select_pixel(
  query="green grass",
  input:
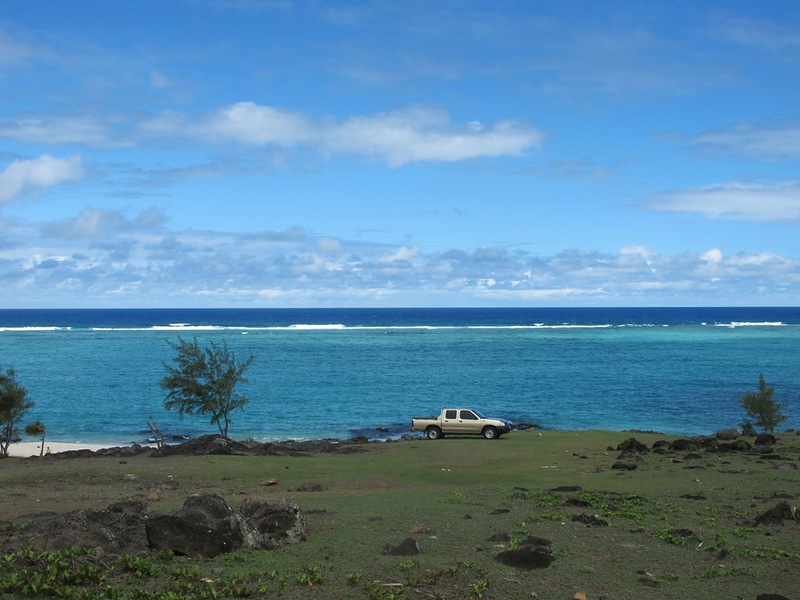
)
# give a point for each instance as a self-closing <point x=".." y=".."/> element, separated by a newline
<point x="451" y="495"/>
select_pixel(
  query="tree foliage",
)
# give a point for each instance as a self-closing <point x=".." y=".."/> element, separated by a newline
<point x="14" y="404"/>
<point x="37" y="429"/>
<point x="203" y="381"/>
<point x="762" y="408"/>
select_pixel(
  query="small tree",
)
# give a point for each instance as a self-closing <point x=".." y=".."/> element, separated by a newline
<point x="36" y="429"/>
<point x="155" y="431"/>
<point x="762" y="408"/>
<point x="13" y="406"/>
<point x="203" y="381"/>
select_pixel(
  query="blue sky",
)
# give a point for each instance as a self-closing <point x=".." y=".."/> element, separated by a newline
<point x="417" y="153"/>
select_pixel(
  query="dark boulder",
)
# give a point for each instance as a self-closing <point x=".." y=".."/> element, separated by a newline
<point x="408" y="547"/>
<point x="737" y="446"/>
<point x="590" y="520"/>
<point x="187" y="538"/>
<point x="527" y="557"/>
<point x="765" y="439"/>
<point x="206" y="526"/>
<point x="567" y="488"/>
<point x="623" y="466"/>
<point x="280" y="520"/>
<point x="632" y="445"/>
<point x="777" y="514"/>
<point x="728" y="434"/>
<point x="683" y="445"/>
<point x="203" y="445"/>
<point x="118" y="529"/>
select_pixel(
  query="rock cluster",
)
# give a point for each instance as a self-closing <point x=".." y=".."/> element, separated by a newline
<point x="203" y="528"/>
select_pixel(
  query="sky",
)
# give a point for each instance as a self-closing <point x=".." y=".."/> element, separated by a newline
<point x="310" y="153"/>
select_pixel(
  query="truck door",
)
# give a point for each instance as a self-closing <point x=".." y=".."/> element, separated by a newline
<point x="450" y="421"/>
<point x="468" y="422"/>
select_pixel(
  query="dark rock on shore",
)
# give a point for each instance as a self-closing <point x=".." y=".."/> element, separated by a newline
<point x="205" y="444"/>
<point x="765" y="439"/>
<point x="632" y="445"/>
<point x="728" y="434"/>
<point x="118" y="451"/>
<point x="737" y="446"/>
<point x="309" y="447"/>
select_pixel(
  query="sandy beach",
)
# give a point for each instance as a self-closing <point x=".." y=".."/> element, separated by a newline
<point x="26" y="449"/>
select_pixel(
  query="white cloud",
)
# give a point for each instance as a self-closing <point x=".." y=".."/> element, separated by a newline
<point x="713" y="256"/>
<point x="773" y="140"/>
<point x="13" y="51"/>
<point x="422" y="134"/>
<point x="104" y="257"/>
<point x="57" y="130"/>
<point x="45" y="171"/>
<point x="249" y="123"/>
<point x="736" y="201"/>
<point x="416" y="134"/>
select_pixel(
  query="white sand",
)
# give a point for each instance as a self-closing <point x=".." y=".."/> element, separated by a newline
<point x="25" y="449"/>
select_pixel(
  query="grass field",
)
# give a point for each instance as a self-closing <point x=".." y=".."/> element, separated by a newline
<point x="678" y="526"/>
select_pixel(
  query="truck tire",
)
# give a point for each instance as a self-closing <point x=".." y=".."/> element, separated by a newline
<point x="433" y="432"/>
<point x="490" y="433"/>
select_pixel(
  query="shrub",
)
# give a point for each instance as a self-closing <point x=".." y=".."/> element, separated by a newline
<point x="762" y="408"/>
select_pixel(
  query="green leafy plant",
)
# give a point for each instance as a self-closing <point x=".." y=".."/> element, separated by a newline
<point x="310" y="576"/>
<point x="479" y="588"/>
<point x="762" y="408"/>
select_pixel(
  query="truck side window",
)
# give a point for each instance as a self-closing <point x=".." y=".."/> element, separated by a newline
<point x="449" y="414"/>
<point x="466" y="414"/>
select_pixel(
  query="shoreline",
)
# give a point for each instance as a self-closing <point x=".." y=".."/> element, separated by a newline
<point x="28" y="449"/>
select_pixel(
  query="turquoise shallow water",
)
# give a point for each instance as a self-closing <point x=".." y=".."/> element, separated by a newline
<point x="94" y="375"/>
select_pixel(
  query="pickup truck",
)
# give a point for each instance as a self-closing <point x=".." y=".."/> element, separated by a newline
<point x="460" y="421"/>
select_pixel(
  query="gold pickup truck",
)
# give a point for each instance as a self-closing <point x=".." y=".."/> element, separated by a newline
<point x="460" y="421"/>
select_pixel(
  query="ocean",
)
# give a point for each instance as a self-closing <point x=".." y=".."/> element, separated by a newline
<point x="335" y="373"/>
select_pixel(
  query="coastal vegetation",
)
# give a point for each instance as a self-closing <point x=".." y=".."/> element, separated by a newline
<point x="14" y="405"/>
<point x="653" y="517"/>
<point x="37" y="429"/>
<point x="762" y="408"/>
<point x="203" y="381"/>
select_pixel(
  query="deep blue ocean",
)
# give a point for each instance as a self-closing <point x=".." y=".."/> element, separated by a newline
<point x="335" y="373"/>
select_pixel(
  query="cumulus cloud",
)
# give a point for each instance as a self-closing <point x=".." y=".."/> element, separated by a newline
<point x="736" y="201"/>
<point x="104" y="257"/>
<point x="45" y="171"/>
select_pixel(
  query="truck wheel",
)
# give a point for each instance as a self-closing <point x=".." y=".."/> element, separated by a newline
<point x="433" y="433"/>
<point x="490" y="433"/>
